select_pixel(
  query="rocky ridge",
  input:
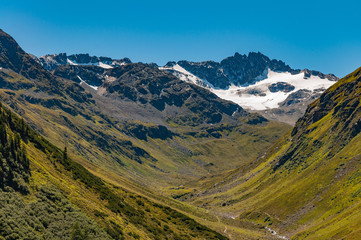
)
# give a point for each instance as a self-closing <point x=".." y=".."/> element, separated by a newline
<point x="241" y="69"/>
<point x="253" y="81"/>
<point x="256" y="83"/>
<point x="53" y="61"/>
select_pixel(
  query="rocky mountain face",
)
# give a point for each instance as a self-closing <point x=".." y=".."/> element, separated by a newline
<point x="237" y="70"/>
<point x="167" y="93"/>
<point x="131" y="81"/>
<point x="308" y="185"/>
<point x="257" y="83"/>
<point x="14" y="58"/>
<point x="241" y="70"/>
<point x="91" y="75"/>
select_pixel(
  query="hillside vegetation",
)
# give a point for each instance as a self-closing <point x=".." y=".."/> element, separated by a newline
<point x="44" y="194"/>
<point x="307" y="186"/>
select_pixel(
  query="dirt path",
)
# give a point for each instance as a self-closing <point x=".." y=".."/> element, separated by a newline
<point x="225" y="231"/>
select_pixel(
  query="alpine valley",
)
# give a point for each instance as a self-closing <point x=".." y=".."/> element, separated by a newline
<point x="101" y="148"/>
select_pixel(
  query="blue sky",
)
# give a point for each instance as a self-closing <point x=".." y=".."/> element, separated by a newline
<point x="320" y="35"/>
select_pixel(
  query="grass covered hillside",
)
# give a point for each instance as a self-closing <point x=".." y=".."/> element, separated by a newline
<point x="308" y="185"/>
<point x="46" y="195"/>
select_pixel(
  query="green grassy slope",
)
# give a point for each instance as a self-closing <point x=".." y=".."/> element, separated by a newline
<point x="44" y="194"/>
<point x="308" y="185"/>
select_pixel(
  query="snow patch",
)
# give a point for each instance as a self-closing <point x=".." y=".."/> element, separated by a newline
<point x="71" y="62"/>
<point x="186" y="76"/>
<point x="99" y="64"/>
<point x="267" y="100"/>
<point x="83" y="82"/>
<point x="103" y="65"/>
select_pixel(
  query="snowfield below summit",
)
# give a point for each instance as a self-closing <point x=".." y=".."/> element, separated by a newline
<point x="82" y="82"/>
<point x="186" y="76"/>
<point x="99" y="64"/>
<point x="258" y="96"/>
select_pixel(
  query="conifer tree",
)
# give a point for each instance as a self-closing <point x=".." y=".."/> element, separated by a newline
<point x="65" y="154"/>
<point x="76" y="233"/>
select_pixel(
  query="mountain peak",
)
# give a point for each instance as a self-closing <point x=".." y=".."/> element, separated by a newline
<point x="256" y="82"/>
<point x="259" y="54"/>
<point x="11" y="54"/>
<point x="13" y="57"/>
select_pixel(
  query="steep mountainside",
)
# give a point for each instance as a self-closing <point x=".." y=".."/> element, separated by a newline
<point x="174" y="99"/>
<point x="46" y="195"/>
<point x="308" y="185"/>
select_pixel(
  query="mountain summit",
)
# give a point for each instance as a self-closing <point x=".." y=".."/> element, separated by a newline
<point x="241" y="70"/>
<point x="257" y="83"/>
<point x="14" y="58"/>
